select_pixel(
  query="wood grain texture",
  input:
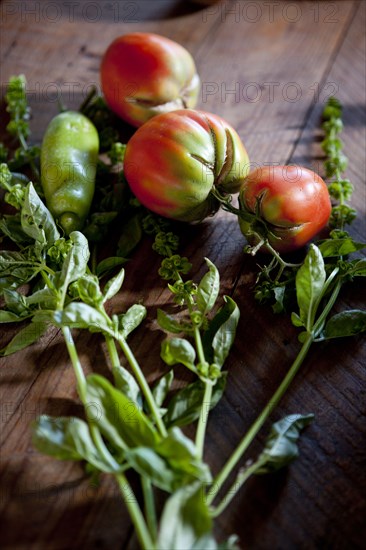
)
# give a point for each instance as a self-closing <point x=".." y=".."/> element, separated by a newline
<point x="268" y="69"/>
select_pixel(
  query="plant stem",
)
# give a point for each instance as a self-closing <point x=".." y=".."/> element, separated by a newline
<point x="81" y="386"/>
<point x="203" y="419"/>
<point x="258" y="423"/>
<point x="143" y="385"/>
<point x="134" y="510"/>
<point x="236" y="486"/>
<point x="112" y="350"/>
<point x="281" y="390"/>
<point x="150" y="512"/>
<point x="79" y="373"/>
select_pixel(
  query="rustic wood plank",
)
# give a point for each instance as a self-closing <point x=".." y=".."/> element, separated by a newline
<point x="50" y="501"/>
<point x="293" y="509"/>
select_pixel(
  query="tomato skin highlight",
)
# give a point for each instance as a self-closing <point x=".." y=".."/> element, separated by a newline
<point x="293" y="201"/>
<point x="174" y="160"/>
<point x="145" y="74"/>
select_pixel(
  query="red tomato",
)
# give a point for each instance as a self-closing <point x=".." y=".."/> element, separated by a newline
<point x="144" y="74"/>
<point x="174" y="160"/>
<point x="293" y="202"/>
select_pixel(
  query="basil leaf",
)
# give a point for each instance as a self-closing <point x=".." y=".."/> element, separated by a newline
<point x="181" y="453"/>
<point x="281" y="445"/>
<point x="357" y="268"/>
<point x="17" y="266"/>
<point x="15" y="301"/>
<point x="148" y="463"/>
<point x="36" y="220"/>
<point x="114" y="285"/>
<point x="346" y="323"/>
<point x="168" y="322"/>
<point x="9" y="317"/>
<point x="109" y="264"/>
<point x="25" y="337"/>
<point x="131" y="235"/>
<point x="185" y="405"/>
<point x="10" y="226"/>
<point x="339" y="247"/>
<point x="67" y="438"/>
<point x="296" y="321"/>
<point x="126" y="383"/>
<point x="208" y="289"/>
<point x="185" y="519"/>
<point x="76" y="261"/>
<point x="88" y="289"/>
<point x="310" y="280"/>
<point x="127" y="322"/>
<point x="162" y="387"/>
<point x="178" y="350"/>
<point x="220" y="335"/>
<point x="79" y="315"/>
<point x="44" y="297"/>
<point x="117" y="417"/>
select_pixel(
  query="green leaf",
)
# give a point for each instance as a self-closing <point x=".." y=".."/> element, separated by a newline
<point x="10" y="225"/>
<point x="346" y="323"/>
<point x="181" y="453"/>
<point x="220" y="335"/>
<point x="310" y="280"/>
<point x="185" y="406"/>
<point x="67" y="438"/>
<point x="76" y="261"/>
<point x="25" y="337"/>
<point x="44" y="298"/>
<point x="9" y="317"/>
<point x="118" y="418"/>
<point x="296" y="321"/>
<point x="114" y="285"/>
<point x="357" y="268"/>
<point x="79" y="315"/>
<point x="109" y="264"/>
<point x="281" y="445"/>
<point x="339" y="247"/>
<point x="88" y="290"/>
<point x="129" y="321"/>
<point x="148" y="463"/>
<point x="131" y="235"/>
<point x="37" y="221"/>
<point x="168" y="322"/>
<point x="279" y="293"/>
<point x="126" y="383"/>
<point x="16" y="266"/>
<point x="185" y="519"/>
<point x="208" y="289"/>
<point x="178" y="350"/>
<point x="15" y="301"/>
<point x="162" y="387"/>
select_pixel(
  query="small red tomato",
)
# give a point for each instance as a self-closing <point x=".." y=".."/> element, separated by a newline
<point x="173" y="162"/>
<point x="292" y="201"/>
<point x="145" y="74"/>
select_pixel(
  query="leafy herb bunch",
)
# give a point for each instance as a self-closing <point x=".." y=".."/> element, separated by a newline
<point x="50" y="281"/>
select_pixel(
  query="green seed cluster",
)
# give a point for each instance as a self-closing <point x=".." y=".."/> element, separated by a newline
<point x="335" y="164"/>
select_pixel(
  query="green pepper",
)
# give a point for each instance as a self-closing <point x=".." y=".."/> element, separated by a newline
<point x="69" y="157"/>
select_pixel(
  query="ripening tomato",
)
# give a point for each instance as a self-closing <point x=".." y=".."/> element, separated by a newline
<point x="293" y="202"/>
<point x="174" y="160"/>
<point x="145" y="74"/>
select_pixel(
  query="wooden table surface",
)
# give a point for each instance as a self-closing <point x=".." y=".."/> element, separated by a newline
<point x="268" y="68"/>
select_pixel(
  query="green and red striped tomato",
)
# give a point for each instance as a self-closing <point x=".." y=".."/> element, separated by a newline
<point x="173" y="162"/>
<point x="292" y="201"/>
<point x="145" y="74"/>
